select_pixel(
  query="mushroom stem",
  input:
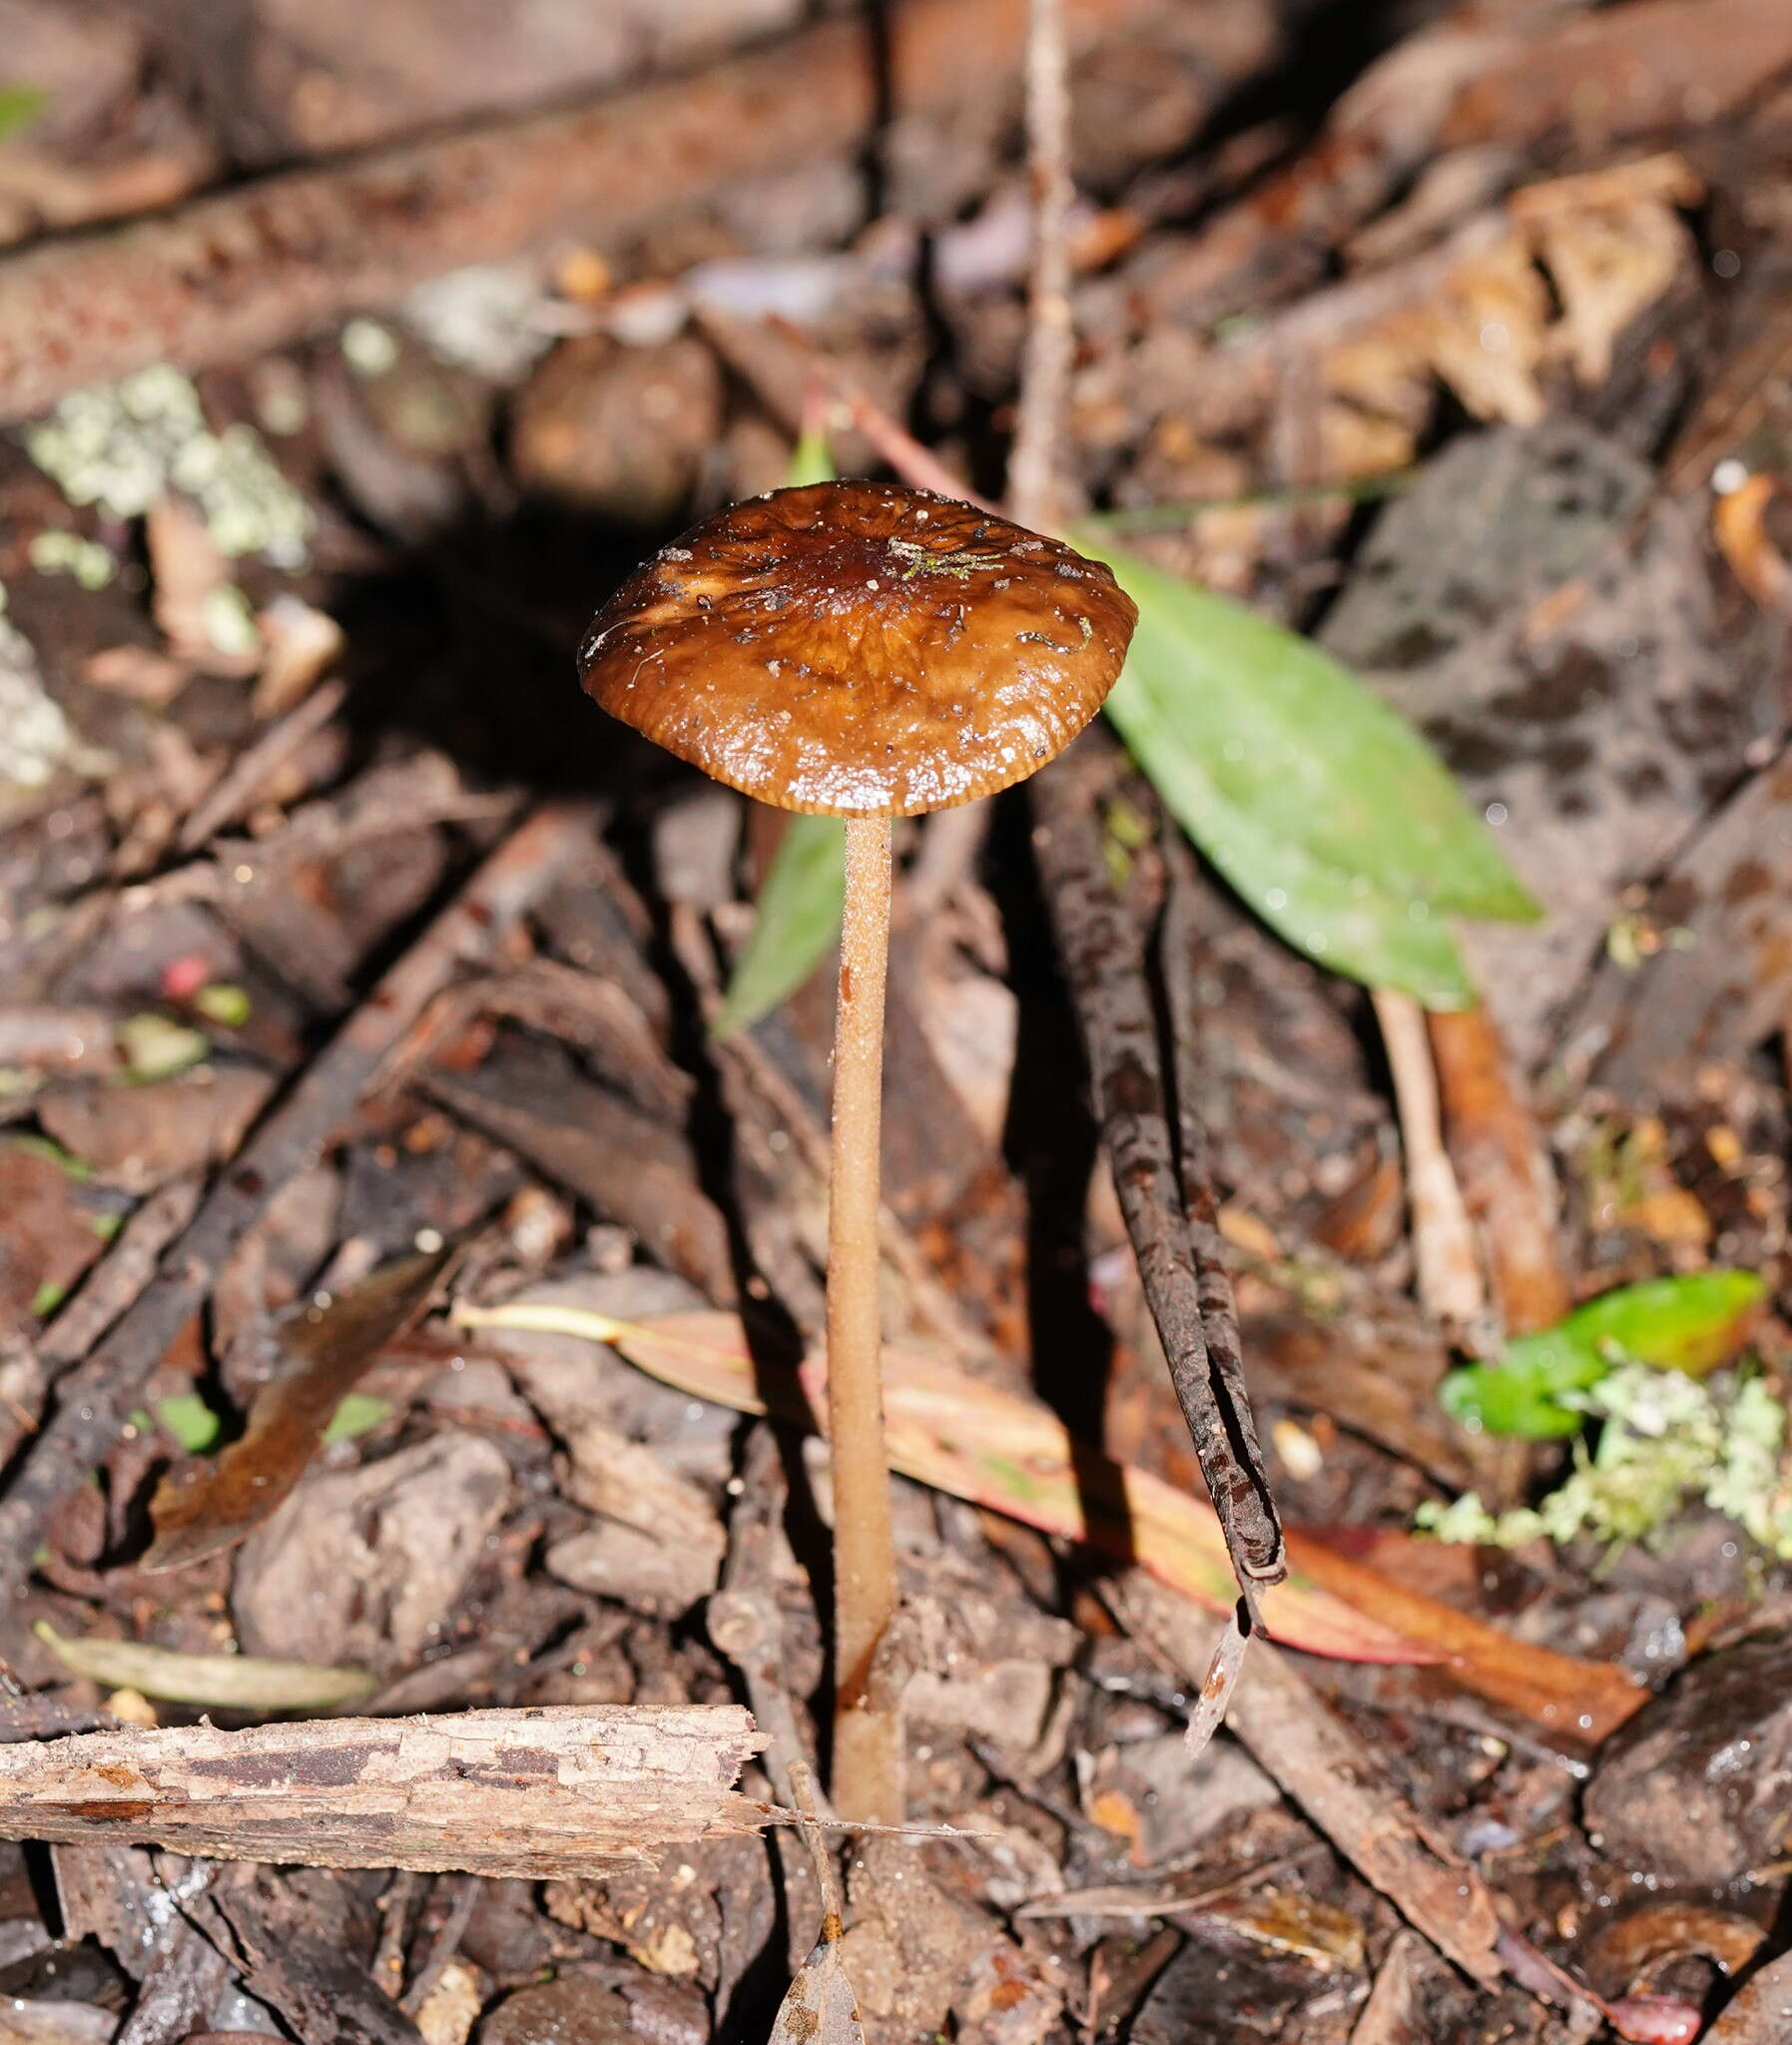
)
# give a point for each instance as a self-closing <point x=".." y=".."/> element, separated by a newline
<point x="867" y="1731"/>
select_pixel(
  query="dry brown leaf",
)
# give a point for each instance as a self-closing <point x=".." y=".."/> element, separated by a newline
<point x="209" y="1505"/>
<point x="1739" y="527"/>
<point x="1612" y="243"/>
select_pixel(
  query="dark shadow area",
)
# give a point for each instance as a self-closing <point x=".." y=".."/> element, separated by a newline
<point x="1050" y="1141"/>
<point x="469" y="645"/>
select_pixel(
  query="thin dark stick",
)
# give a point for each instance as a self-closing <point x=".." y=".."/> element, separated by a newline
<point x="1163" y="1185"/>
<point x="743" y="1616"/>
<point x="126" y="1267"/>
<point x="1207" y="1247"/>
<point x="443" y="1945"/>
<point x="95" y="1399"/>
<point x="1104" y="959"/>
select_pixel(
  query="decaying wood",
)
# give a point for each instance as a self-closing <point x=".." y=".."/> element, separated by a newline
<point x="557" y="1791"/>
<point x="233" y="276"/>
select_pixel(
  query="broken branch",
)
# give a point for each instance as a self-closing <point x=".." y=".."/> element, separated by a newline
<point x="555" y="1790"/>
<point x="251" y="270"/>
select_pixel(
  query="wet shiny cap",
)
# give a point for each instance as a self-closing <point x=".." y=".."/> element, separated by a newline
<point x="860" y="649"/>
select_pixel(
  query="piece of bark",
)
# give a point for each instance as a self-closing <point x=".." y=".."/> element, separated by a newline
<point x="367" y="1566"/>
<point x="231" y="275"/>
<point x="1761" y="2014"/>
<point x="556" y="1790"/>
<point x="632" y="1169"/>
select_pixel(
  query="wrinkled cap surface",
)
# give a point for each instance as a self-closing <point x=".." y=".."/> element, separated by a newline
<point x="860" y="649"/>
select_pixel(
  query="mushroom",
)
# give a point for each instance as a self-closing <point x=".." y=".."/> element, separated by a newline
<point x="867" y="651"/>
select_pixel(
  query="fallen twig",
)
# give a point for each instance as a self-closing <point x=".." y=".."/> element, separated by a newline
<point x="247" y="270"/>
<point x="95" y="1399"/>
<point x="1169" y="1213"/>
<point x="743" y="1618"/>
<point x="121" y="1274"/>
<point x="1104" y="955"/>
<point x="1033" y="470"/>
<point x="554" y="1790"/>
<point x="256" y="763"/>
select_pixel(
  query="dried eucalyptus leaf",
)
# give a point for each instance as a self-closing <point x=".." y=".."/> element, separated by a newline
<point x="236" y="1683"/>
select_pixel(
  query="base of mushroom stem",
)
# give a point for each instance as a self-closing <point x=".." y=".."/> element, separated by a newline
<point x="866" y="1783"/>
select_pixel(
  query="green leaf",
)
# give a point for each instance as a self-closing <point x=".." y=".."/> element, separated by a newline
<point x="190" y="1420"/>
<point x="1320" y="804"/>
<point x="1691" y="1324"/>
<point x="156" y="1048"/>
<point x="20" y="105"/>
<point x="800" y="908"/>
<point x="41" y="1147"/>
<point x="359" y="1413"/>
<point x="812" y="461"/>
<point x="222" y="1004"/>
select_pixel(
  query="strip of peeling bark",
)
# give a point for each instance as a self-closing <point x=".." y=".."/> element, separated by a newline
<point x="230" y="276"/>
<point x="556" y="1790"/>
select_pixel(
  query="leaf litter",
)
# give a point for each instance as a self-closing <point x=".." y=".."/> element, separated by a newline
<point x="1446" y="452"/>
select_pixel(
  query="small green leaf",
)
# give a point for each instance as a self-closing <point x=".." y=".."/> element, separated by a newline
<point x="190" y="1420"/>
<point x="221" y="1002"/>
<point x="156" y="1048"/>
<point x="42" y="1147"/>
<point x="1320" y="804"/>
<point x="359" y="1413"/>
<point x="47" y="1298"/>
<point x="20" y="105"/>
<point x="812" y="461"/>
<point x="1690" y="1324"/>
<point x="800" y="909"/>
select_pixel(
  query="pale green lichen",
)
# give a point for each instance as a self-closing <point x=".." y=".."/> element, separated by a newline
<point x="369" y="348"/>
<point x="1667" y="1440"/>
<point x="489" y="317"/>
<point x="121" y="447"/>
<point x="56" y="552"/>
<point x="38" y="737"/>
<point x="230" y="622"/>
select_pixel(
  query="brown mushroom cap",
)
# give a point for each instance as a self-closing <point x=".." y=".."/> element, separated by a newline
<point x="860" y="649"/>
